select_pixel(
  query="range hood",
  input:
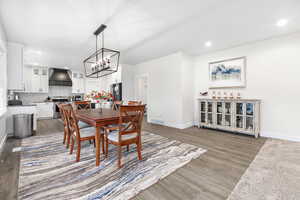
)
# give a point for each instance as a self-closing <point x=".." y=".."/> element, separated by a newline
<point x="60" y="77"/>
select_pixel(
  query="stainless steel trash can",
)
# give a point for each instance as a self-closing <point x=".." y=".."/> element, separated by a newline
<point x="23" y="125"/>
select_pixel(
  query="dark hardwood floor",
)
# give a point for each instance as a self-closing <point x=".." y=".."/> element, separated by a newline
<point x="212" y="176"/>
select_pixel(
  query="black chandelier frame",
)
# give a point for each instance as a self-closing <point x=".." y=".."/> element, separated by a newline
<point x="101" y="52"/>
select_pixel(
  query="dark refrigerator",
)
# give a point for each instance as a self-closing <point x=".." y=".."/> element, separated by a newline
<point x="117" y="91"/>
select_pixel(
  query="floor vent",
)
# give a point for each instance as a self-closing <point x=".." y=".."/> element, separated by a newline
<point x="157" y="121"/>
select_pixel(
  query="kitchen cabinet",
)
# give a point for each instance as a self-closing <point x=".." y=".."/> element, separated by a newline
<point x="78" y="86"/>
<point x="15" y="66"/>
<point x="235" y="115"/>
<point x="45" y="110"/>
<point x="39" y="80"/>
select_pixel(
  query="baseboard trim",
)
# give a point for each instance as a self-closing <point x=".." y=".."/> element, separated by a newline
<point x="173" y="125"/>
<point x="279" y="136"/>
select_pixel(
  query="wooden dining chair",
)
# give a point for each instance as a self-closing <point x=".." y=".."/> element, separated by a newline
<point x="78" y="135"/>
<point x="66" y="139"/>
<point x="134" y="102"/>
<point x="79" y="105"/>
<point x="116" y="105"/>
<point x="132" y="116"/>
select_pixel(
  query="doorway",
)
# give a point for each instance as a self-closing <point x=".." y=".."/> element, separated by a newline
<point x="141" y="88"/>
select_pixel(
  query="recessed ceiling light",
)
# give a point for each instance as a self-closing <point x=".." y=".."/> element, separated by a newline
<point x="208" y="43"/>
<point x="282" y="22"/>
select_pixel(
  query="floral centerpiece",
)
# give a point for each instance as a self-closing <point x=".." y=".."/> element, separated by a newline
<point x="98" y="96"/>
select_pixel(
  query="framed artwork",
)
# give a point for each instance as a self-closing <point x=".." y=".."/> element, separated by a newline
<point x="228" y="73"/>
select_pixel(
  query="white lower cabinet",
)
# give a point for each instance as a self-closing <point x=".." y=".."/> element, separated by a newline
<point x="235" y="115"/>
<point x="45" y="110"/>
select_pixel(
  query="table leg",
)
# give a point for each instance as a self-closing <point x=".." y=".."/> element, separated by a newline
<point x="98" y="138"/>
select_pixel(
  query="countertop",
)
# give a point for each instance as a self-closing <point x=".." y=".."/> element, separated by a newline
<point x="22" y="105"/>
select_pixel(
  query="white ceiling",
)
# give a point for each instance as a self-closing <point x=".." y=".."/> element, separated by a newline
<point x="144" y="29"/>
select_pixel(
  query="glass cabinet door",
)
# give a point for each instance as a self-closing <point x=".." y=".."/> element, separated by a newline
<point x="227" y="108"/>
<point x="209" y="118"/>
<point x="203" y="117"/>
<point x="239" y="122"/>
<point x="209" y="107"/>
<point x="203" y="112"/>
<point x="249" y="116"/>
<point x="228" y="112"/>
<point x="249" y="123"/>
<point x="249" y="109"/>
<point x="239" y="108"/>
<point x="203" y="106"/>
<point x="219" y="113"/>
<point x="239" y="119"/>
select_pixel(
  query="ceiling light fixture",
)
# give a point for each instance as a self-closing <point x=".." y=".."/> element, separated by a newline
<point x="282" y="22"/>
<point x="208" y="44"/>
<point x="104" y="61"/>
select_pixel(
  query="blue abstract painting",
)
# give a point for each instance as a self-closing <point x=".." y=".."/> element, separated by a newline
<point x="227" y="73"/>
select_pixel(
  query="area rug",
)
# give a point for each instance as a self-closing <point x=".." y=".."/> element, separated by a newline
<point x="47" y="171"/>
<point x="273" y="175"/>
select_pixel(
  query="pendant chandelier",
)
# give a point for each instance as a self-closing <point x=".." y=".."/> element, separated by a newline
<point x="104" y="61"/>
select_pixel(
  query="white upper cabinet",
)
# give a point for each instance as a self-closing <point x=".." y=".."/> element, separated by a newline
<point x="78" y="82"/>
<point x="15" y="67"/>
<point x="40" y="80"/>
<point x="36" y="79"/>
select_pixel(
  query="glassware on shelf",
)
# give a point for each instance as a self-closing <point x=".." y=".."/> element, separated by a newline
<point x="227" y="108"/>
<point x="231" y="95"/>
<point x="214" y="94"/>
<point x="249" y="108"/>
<point x="239" y="108"/>
<point x="219" y="107"/>
<point x="249" y="123"/>
<point x="219" y="95"/>
<point x="239" y="122"/>
<point x="238" y="95"/>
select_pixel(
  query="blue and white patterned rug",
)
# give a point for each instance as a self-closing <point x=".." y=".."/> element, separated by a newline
<point x="47" y="171"/>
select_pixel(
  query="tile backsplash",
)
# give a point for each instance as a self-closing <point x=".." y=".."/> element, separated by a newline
<point x="28" y="98"/>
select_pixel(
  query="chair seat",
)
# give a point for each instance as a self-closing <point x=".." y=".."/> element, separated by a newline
<point x="114" y="136"/>
<point x="82" y="124"/>
<point x="87" y="132"/>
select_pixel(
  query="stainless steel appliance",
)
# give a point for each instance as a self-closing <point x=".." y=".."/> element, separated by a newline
<point x="117" y="91"/>
<point x="57" y="101"/>
<point x="77" y="98"/>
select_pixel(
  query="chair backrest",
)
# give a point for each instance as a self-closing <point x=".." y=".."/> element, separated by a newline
<point x="71" y="119"/>
<point x="60" y="106"/>
<point x="132" y="116"/>
<point x="116" y="105"/>
<point x="79" y="105"/>
<point x="134" y="103"/>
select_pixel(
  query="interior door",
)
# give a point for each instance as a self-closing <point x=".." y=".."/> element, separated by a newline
<point x="141" y="89"/>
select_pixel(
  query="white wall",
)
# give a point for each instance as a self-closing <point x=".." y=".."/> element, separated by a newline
<point x="127" y="78"/>
<point x="168" y="83"/>
<point x="273" y="75"/>
<point x="3" y="85"/>
<point x="187" y="86"/>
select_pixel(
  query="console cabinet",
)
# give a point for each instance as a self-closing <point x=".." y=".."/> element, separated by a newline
<point x="235" y="115"/>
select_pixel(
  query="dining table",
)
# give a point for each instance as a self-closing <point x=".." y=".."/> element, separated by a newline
<point x="98" y="118"/>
